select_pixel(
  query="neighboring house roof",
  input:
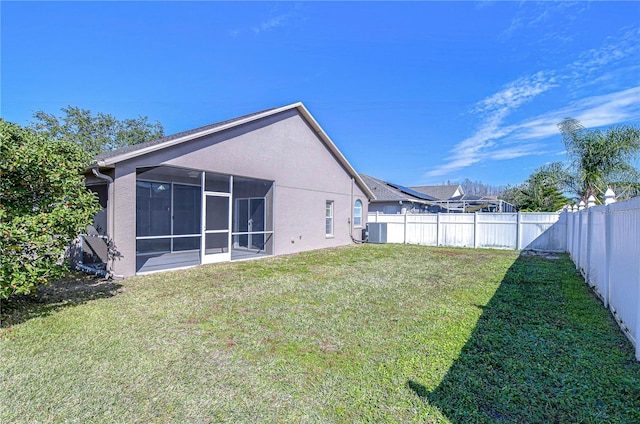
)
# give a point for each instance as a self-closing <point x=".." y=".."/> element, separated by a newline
<point x="412" y="192"/>
<point x="109" y="159"/>
<point x="440" y="192"/>
<point x="387" y="192"/>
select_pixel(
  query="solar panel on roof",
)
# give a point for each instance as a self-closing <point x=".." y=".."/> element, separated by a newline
<point x="410" y="192"/>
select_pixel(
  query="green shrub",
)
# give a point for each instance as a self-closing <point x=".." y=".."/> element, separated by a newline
<point x="43" y="205"/>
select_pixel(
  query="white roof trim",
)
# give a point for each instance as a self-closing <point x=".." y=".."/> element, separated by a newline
<point x="110" y="161"/>
<point x="334" y="149"/>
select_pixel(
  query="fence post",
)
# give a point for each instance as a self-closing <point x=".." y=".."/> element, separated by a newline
<point x="579" y="247"/>
<point x="609" y="198"/>
<point x="587" y="266"/>
<point x="637" y="335"/>
<point x="475" y="230"/>
<point x="438" y="229"/>
<point x="569" y="233"/>
<point x="405" y="226"/>
<point x="518" y="231"/>
<point x="575" y="234"/>
<point x="607" y="256"/>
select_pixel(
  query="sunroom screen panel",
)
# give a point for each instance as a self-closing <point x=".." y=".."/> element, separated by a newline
<point x="153" y="209"/>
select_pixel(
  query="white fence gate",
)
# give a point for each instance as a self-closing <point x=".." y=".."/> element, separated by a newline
<point x="603" y="242"/>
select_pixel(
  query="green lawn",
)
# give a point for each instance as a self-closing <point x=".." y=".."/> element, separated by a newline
<point x="367" y="333"/>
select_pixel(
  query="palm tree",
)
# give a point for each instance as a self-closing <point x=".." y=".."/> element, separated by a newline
<point x="601" y="160"/>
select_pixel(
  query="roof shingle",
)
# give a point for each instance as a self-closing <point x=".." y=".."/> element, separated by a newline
<point x="139" y="146"/>
<point x="389" y="192"/>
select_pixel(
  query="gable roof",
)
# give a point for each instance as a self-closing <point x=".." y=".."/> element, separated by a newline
<point x="133" y="150"/>
<point x="440" y="192"/>
<point x="387" y="192"/>
<point x="109" y="159"/>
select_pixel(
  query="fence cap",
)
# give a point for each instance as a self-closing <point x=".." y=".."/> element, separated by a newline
<point x="609" y="196"/>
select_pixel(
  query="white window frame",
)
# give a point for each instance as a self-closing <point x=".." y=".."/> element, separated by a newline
<point x="328" y="218"/>
<point x="357" y="213"/>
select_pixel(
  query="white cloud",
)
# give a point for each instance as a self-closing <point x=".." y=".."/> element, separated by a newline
<point x="516" y="152"/>
<point x="271" y="23"/>
<point x="610" y="109"/>
<point x="278" y="21"/>
<point x="616" y="56"/>
<point x="496" y="141"/>
<point x="516" y="93"/>
<point x="533" y="15"/>
<point x="613" y="50"/>
<point x="595" y="111"/>
<point x="494" y="108"/>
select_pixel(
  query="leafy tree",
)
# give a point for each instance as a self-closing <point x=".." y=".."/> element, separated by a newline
<point x="96" y="133"/>
<point x="541" y="192"/>
<point x="514" y="194"/>
<point x="43" y="206"/>
<point x="478" y="188"/>
<point x="601" y="159"/>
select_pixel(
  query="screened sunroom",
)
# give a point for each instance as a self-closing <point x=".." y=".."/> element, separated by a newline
<point x="187" y="217"/>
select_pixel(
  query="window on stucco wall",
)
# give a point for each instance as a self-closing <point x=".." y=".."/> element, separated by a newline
<point x="329" y="218"/>
<point x="357" y="214"/>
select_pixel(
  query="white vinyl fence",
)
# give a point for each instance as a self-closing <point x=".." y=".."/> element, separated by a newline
<point x="604" y="243"/>
<point x="535" y="231"/>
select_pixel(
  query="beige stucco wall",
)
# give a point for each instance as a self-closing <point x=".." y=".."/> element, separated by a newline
<point x="281" y="148"/>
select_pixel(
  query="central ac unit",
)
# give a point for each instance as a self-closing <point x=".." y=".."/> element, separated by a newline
<point x="377" y="232"/>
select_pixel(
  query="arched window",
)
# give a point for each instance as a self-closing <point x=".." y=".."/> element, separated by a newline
<point x="357" y="214"/>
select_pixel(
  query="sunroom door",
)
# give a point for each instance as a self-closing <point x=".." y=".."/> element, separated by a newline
<point x="216" y="240"/>
<point x="250" y="223"/>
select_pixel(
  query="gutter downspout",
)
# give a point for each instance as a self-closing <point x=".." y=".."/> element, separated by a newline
<point x="110" y="211"/>
<point x="353" y="181"/>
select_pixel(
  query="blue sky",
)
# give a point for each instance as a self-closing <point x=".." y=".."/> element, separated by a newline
<point x="413" y="93"/>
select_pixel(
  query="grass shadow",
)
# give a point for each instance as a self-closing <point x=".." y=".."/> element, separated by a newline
<point x="74" y="289"/>
<point x="543" y="350"/>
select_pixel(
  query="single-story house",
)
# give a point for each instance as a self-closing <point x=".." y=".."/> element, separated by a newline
<point x="268" y="183"/>
<point x="392" y="198"/>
